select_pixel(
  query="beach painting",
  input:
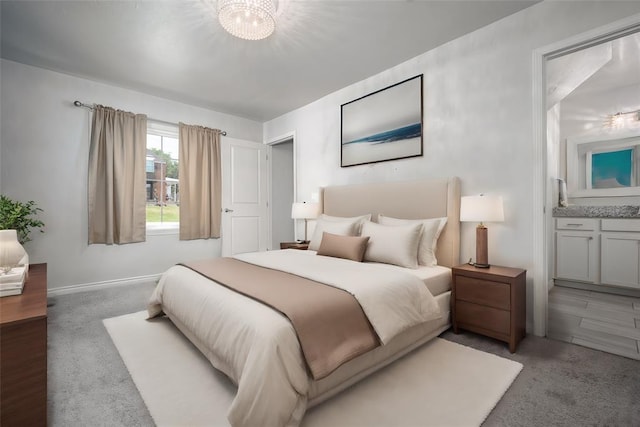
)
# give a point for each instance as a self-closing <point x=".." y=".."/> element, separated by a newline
<point x="612" y="169"/>
<point x="383" y="125"/>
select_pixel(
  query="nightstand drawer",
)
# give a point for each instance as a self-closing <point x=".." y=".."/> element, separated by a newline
<point x="488" y="318"/>
<point x="484" y="292"/>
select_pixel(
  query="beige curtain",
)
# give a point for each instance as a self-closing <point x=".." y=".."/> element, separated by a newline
<point x="200" y="182"/>
<point x="117" y="177"/>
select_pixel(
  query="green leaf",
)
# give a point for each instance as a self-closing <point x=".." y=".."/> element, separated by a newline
<point x="15" y="215"/>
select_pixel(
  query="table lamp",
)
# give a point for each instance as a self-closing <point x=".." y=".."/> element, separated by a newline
<point x="481" y="209"/>
<point x="306" y="211"/>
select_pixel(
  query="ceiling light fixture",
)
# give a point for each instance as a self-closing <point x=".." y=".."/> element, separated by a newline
<point x="623" y="119"/>
<point x="616" y="120"/>
<point x="248" y="19"/>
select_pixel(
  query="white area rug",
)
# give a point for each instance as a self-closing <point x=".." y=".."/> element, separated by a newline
<point x="439" y="384"/>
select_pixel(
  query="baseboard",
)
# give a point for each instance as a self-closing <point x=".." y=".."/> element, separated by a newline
<point x="63" y="290"/>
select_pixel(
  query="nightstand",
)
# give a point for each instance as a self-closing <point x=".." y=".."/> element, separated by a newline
<point x="490" y="301"/>
<point x="294" y="245"/>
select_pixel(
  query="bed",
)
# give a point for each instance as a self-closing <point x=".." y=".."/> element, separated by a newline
<point x="257" y="348"/>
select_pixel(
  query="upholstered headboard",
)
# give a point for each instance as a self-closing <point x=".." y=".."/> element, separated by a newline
<point x="409" y="200"/>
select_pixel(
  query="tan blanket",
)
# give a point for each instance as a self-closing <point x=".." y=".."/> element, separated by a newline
<point x="329" y="322"/>
<point x="257" y="347"/>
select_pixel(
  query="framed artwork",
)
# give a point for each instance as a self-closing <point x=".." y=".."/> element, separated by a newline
<point x="604" y="165"/>
<point x="611" y="169"/>
<point x="383" y="125"/>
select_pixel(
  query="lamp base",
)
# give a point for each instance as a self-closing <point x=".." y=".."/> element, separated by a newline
<point x="482" y="259"/>
<point x="476" y="265"/>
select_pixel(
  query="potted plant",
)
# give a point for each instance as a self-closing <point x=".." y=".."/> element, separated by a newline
<point x="15" y="215"/>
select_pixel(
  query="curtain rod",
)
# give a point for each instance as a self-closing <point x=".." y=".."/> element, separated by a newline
<point x="91" y="107"/>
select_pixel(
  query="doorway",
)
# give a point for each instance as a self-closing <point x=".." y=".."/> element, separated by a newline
<point x="593" y="145"/>
<point x="545" y="171"/>
<point x="282" y="189"/>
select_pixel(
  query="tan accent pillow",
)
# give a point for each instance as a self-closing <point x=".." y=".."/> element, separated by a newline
<point x="431" y="229"/>
<point x="347" y="247"/>
<point x="393" y="244"/>
<point x="342" y="228"/>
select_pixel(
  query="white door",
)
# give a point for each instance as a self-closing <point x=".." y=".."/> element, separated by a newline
<point x="244" y="196"/>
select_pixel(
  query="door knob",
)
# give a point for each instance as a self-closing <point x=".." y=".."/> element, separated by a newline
<point x="228" y="210"/>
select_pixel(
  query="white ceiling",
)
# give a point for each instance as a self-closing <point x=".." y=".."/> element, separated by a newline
<point x="178" y="50"/>
<point x="622" y="70"/>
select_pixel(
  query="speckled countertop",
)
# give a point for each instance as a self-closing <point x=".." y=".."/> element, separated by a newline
<point x="626" y="211"/>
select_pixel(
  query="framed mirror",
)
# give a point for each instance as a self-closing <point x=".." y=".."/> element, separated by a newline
<point x="604" y="166"/>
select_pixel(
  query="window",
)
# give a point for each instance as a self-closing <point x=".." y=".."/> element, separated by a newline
<point x="162" y="184"/>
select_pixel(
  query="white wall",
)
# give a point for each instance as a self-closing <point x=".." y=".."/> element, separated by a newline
<point x="44" y="154"/>
<point x="477" y="120"/>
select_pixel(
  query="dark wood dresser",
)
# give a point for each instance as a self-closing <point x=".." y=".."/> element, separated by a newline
<point x="23" y="353"/>
<point x="490" y="301"/>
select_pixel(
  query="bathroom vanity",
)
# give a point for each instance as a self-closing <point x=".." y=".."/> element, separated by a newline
<point x="598" y="245"/>
<point x="596" y="302"/>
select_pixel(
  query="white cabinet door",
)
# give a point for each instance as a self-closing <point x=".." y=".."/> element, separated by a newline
<point x="577" y="256"/>
<point x="620" y="259"/>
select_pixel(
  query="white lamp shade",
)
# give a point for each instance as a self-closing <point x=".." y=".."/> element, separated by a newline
<point x="301" y="210"/>
<point x="481" y="209"/>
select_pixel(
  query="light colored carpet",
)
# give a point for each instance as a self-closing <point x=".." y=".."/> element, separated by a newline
<point x="439" y="384"/>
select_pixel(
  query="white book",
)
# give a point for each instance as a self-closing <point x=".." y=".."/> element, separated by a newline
<point x="9" y="292"/>
<point x="14" y="285"/>
<point x="15" y="275"/>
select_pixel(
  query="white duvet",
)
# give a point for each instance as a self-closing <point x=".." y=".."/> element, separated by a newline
<point x="257" y="347"/>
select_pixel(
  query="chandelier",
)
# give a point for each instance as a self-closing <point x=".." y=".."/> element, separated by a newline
<point x="248" y="19"/>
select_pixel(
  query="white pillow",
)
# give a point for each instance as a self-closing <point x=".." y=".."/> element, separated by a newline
<point x="358" y="219"/>
<point x="341" y="228"/>
<point x="431" y="229"/>
<point x="396" y="244"/>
